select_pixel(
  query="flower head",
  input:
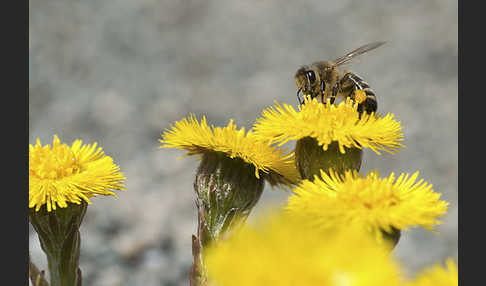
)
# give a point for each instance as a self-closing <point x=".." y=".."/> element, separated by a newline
<point x="198" y="138"/>
<point x="438" y="275"/>
<point x="62" y="174"/>
<point x="280" y="251"/>
<point x="229" y="180"/>
<point x="329" y="123"/>
<point x="377" y="204"/>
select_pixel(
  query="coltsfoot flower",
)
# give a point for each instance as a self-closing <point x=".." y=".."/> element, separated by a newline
<point x="383" y="206"/>
<point x="329" y="123"/>
<point x="281" y="251"/>
<point x="66" y="177"/>
<point x="199" y="138"/>
<point x="438" y="275"/>
<point x="230" y="178"/>
<point x="234" y="166"/>
<point x="62" y="174"/>
<point x="329" y="135"/>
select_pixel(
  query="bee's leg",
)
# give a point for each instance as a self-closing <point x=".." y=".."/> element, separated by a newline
<point x="335" y="90"/>
<point x="298" y="96"/>
<point x="351" y="82"/>
<point x="323" y="88"/>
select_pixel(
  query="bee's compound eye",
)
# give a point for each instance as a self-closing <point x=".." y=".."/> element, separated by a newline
<point x="311" y="76"/>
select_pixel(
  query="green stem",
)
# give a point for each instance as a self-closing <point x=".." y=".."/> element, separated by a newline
<point x="60" y="240"/>
<point x="226" y="190"/>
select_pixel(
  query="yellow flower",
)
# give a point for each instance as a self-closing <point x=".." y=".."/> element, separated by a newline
<point x="280" y="251"/>
<point x="60" y="174"/>
<point x="438" y="276"/>
<point x="229" y="180"/>
<point x="329" y="123"/>
<point x="199" y="138"/>
<point x="378" y="204"/>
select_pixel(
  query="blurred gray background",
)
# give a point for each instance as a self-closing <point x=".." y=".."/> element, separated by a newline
<point x="120" y="72"/>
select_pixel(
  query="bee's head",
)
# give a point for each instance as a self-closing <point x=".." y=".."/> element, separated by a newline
<point x="307" y="81"/>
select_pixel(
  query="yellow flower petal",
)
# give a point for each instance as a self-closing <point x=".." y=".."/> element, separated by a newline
<point x="373" y="202"/>
<point x="280" y="251"/>
<point x="60" y="174"/>
<point x="196" y="138"/>
<point x="438" y="275"/>
<point x="328" y="123"/>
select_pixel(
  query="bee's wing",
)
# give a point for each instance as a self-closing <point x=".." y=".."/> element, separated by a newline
<point x="361" y="50"/>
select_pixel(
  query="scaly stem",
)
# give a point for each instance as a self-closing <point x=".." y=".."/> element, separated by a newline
<point x="60" y="240"/>
<point x="226" y="191"/>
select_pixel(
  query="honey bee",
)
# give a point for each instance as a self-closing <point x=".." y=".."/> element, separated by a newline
<point x="322" y="78"/>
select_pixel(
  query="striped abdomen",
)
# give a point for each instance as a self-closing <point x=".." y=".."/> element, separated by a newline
<point x="351" y="82"/>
